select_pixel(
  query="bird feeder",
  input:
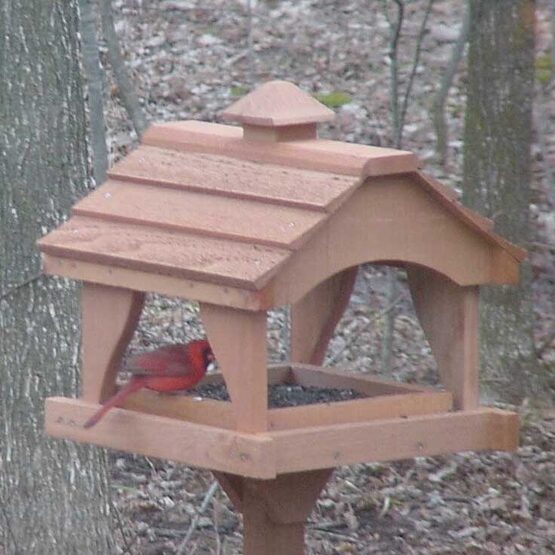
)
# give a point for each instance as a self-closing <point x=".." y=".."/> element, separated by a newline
<point x="245" y="219"/>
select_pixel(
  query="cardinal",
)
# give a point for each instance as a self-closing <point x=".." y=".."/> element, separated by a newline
<point x="169" y="368"/>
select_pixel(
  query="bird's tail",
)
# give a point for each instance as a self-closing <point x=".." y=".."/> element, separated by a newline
<point x="114" y="401"/>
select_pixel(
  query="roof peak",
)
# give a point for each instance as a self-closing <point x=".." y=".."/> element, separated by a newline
<point x="278" y="104"/>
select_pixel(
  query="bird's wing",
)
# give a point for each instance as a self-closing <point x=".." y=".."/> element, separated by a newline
<point x="174" y="369"/>
<point x="171" y="358"/>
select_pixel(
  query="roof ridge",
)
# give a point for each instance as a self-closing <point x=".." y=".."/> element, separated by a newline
<point x="322" y="155"/>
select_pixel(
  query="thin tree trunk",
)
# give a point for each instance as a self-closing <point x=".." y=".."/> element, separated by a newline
<point x="125" y="86"/>
<point x="53" y="494"/>
<point x="95" y="87"/>
<point x="497" y="164"/>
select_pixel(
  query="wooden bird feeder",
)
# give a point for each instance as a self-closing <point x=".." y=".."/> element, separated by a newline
<point x="243" y="220"/>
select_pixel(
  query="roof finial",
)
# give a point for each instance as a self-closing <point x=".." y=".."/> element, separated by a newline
<point x="278" y="111"/>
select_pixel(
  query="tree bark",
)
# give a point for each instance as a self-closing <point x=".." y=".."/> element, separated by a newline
<point x="95" y="88"/>
<point x="497" y="173"/>
<point x="53" y="494"/>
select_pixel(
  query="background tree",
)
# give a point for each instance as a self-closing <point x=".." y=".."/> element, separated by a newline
<point x="53" y="494"/>
<point x="497" y="174"/>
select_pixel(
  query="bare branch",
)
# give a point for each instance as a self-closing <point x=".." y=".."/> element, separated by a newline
<point x="416" y="62"/>
<point x="438" y="105"/>
<point x="126" y="89"/>
<point x="250" y="51"/>
<point x="194" y="523"/>
<point x="396" y="27"/>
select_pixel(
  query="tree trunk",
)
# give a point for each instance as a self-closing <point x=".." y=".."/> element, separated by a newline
<point x="497" y="173"/>
<point x="53" y="494"/>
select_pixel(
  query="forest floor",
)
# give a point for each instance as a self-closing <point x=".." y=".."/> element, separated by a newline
<point x="189" y="60"/>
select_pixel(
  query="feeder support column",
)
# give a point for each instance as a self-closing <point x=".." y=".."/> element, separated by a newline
<point x="275" y="511"/>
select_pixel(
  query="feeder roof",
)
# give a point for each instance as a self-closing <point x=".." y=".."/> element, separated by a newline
<point x="197" y="202"/>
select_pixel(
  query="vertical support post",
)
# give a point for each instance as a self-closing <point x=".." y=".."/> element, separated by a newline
<point x="315" y="316"/>
<point x="109" y="316"/>
<point x="275" y="511"/>
<point x="449" y="317"/>
<point x="261" y="534"/>
<point x="238" y="339"/>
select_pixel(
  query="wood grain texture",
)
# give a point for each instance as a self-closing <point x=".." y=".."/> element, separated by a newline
<point x="360" y="410"/>
<point x="321" y="155"/>
<point x="395" y="439"/>
<point x="109" y="316"/>
<point x="449" y="316"/>
<point x="317" y="376"/>
<point x="397" y="402"/>
<point x="165" y="252"/>
<point x="238" y="339"/>
<point x="236" y="178"/>
<point x="166" y="438"/>
<point x="211" y="216"/>
<point x="303" y="132"/>
<point x="183" y="407"/>
<point x="473" y="219"/>
<point x="275" y="511"/>
<point x="151" y="282"/>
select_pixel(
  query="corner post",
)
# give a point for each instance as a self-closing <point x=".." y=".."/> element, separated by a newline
<point x="449" y="317"/>
<point x="238" y="338"/>
<point x="109" y="316"/>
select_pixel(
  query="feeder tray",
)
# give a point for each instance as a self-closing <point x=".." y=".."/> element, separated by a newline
<point x="243" y="220"/>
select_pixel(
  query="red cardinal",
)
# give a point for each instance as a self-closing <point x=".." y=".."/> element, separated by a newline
<point x="169" y="368"/>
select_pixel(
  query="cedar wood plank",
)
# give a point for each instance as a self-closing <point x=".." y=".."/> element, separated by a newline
<point x="167" y="438"/>
<point x="393" y="439"/>
<point x="171" y="253"/>
<point x="320" y="155"/>
<point x="232" y="177"/>
<point x="215" y="216"/>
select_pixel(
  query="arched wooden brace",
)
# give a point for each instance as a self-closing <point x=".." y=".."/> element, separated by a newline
<point x="449" y="317"/>
<point x="315" y="316"/>
<point x="275" y="511"/>
<point x="238" y="339"/>
<point x="109" y="316"/>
